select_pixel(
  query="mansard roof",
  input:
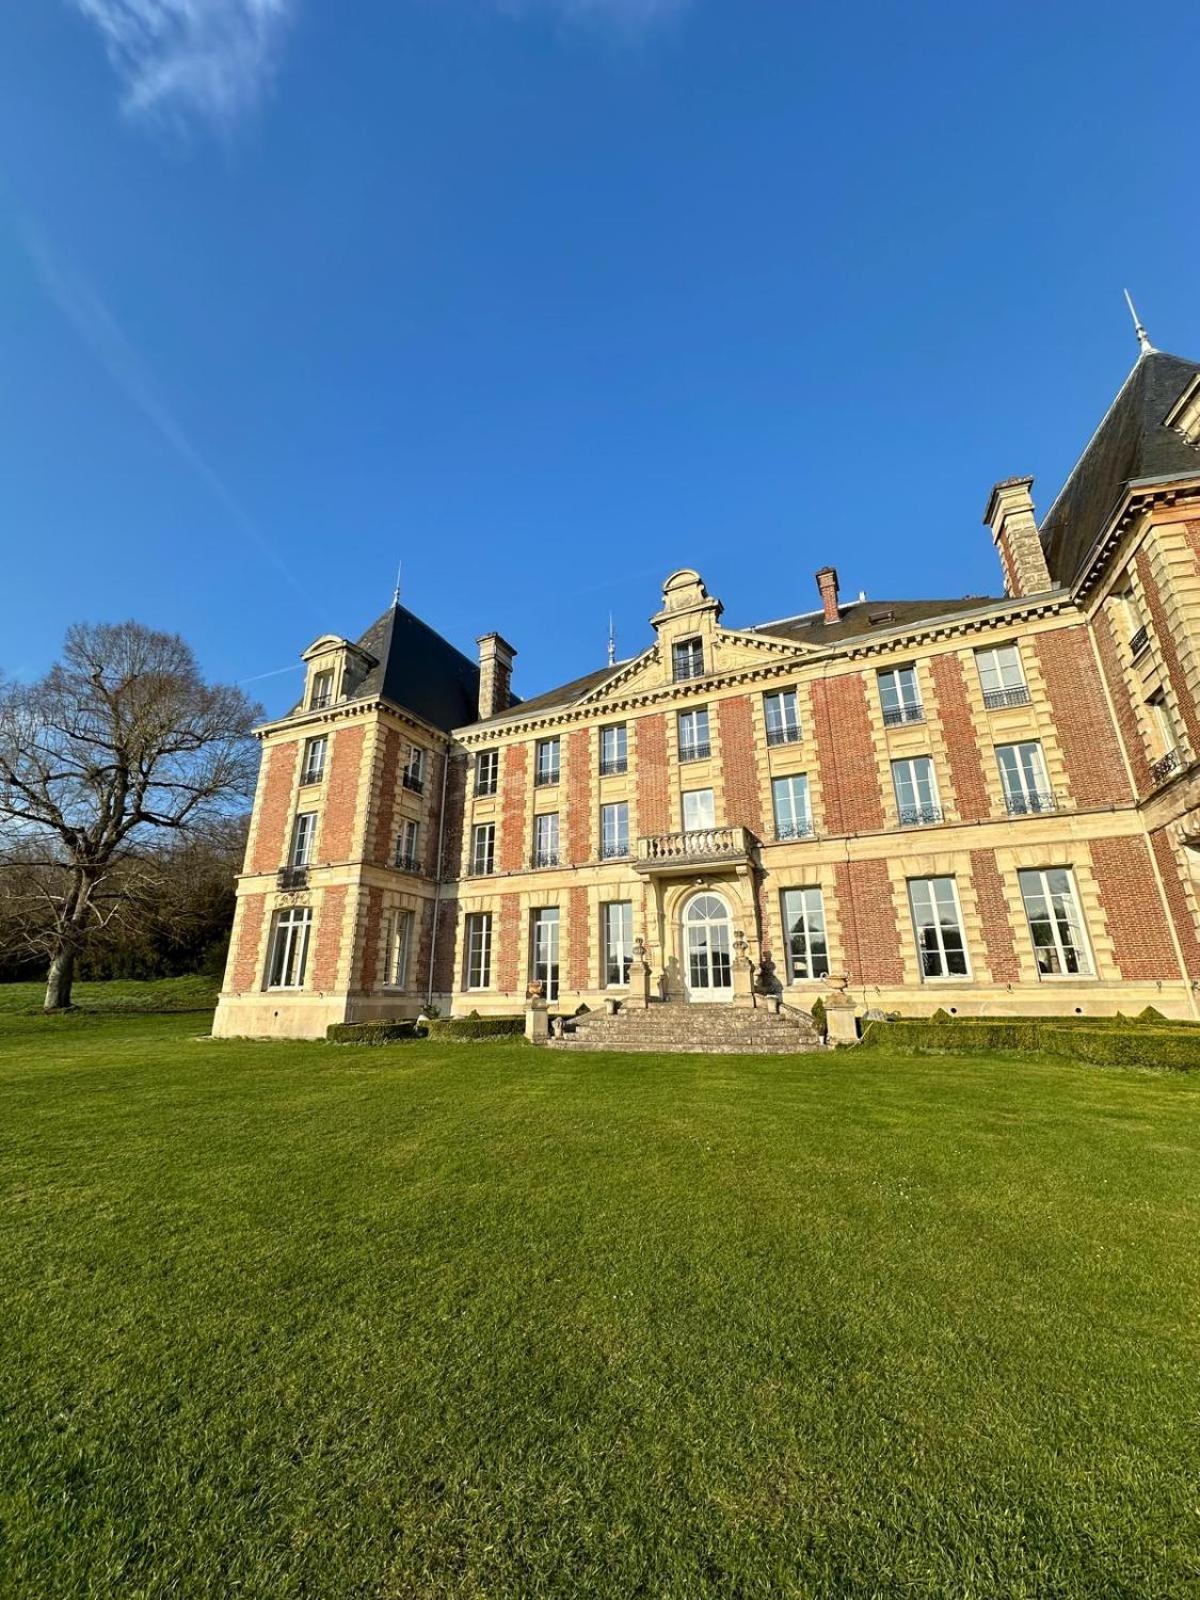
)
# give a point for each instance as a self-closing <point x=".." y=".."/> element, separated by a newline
<point x="862" y="617"/>
<point x="1132" y="444"/>
<point x="419" y="671"/>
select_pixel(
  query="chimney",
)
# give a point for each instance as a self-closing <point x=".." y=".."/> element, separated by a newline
<point x="1010" y="516"/>
<point x="827" y="583"/>
<point x="495" y="674"/>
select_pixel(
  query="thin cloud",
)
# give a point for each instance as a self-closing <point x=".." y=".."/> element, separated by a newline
<point x="191" y="59"/>
<point x="628" y="15"/>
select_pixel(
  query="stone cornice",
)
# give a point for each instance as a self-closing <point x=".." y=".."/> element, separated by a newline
<point x="312" y="722"/>
<point x="1138" y="498"/>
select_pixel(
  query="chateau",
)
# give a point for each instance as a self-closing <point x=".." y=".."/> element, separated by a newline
<point x="986" y="805"/>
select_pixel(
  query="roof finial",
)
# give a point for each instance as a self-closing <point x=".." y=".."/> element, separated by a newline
<point x="396" y="590"/>
<point x="612" y="641"/>
<point x="1143" y="338"/>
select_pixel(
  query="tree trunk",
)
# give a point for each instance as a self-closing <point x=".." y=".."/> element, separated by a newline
<point x="61" y="978"/>
<point x="72" y="931"/>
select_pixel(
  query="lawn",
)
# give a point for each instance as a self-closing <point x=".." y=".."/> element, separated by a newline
<point x="478" y="1321"/>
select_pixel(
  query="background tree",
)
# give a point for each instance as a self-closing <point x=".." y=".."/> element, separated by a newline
<point x="122" y="738"/>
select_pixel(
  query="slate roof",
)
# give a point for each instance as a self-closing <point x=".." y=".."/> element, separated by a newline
<point x="862" y="617"/>
<point x="418" y="670"/>
<point x="1129" y="445"/>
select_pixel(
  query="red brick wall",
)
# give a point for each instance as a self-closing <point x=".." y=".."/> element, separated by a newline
<point x="653" y="788"/>
<point x="962" y="743"/>
<point x="1095" y="771"/>
<point x="381" y="839"/>
<point x="578" y="830"/>
<point x="872" y="939"/>
<point x="739" y="764"/>
<point x="506" y="931"/>
<point x="329" y="938"/>
<point x="369" y="968"/>
<point x="993" y="914"/>
<point x="1165" y="640"/>
<point x="450" y="914"/>
<point x="452" y="825"/>
<point x="1110" y="661"/>
<point x="849" y="776"/>
<point x="1177" y="901"/>
<point x="579" y="939"/>
<point x="514" y="843"/>
<point x="274" y="807"/>
<point x="1133" y="907"/>
<point x="244" y="973"/>
<point x="335" y="839"/>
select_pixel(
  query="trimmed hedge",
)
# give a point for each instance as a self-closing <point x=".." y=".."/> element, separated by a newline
<point x="1141" y="1045"/>
<point x="371" y="1032"/>
<point x="476" y="1027"/>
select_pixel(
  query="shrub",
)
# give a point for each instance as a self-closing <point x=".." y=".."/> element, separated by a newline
<point x="476" y="1027"/>
<point x="371" y="1032"/>
<point x="1135" y="1045"/>
<point x="818" y="1015"/>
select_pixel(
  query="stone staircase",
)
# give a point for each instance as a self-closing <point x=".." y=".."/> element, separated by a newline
<point x="706" y="1029"/>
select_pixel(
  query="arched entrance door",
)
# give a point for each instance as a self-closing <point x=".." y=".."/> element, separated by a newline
<point x="707" y="942"/>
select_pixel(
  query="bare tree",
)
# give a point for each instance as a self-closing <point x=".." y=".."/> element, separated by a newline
<point x="120" y="738"/>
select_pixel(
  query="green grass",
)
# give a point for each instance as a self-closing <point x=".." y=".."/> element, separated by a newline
<point x="479" y="1321"/>
<point x="120" y="995"/>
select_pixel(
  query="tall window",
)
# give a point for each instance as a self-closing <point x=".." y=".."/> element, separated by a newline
<point x="937" y="923"/>
<point x="1162" y="726"/>
<point x="322" y="690"/>
<point x="414" y="772"/>
<point x="546" y="761"/>
<point x="545" y="839"/>
<point x="614" y="750"/>
<point x="804" y="930"/>
<point x="407" y="845"/>
<point x="916" y="792"/>
<point x="789" y="796"/>
<point x="314" y="760"/>
<point x="545" y="951"/>
<point x="1055" y="923"/>
<point x="479" y="950"/>
<point x="487" y="772"/>
<point x="617" y="927"/>
<point x="783" y="717"/>
<point x="303" y="836"/>
<point x="1002" y="677"/>
<point x="1023" y="776"/>
<point x="693" y="735"/>
<point x="289" y="948"/>
<point x="900" y="697"/>
<point x="698" y="810"/>
<point x="614" y="831"/>
<point x="483" y="847"/>
<point x="687" y="659"/>
<point x="400" y="949"/>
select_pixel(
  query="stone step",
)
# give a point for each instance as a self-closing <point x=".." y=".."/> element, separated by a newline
<point x="698" y="1029"/>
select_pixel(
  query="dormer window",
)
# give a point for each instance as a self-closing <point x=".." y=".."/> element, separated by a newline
<point x="321" y="693"/>
<point x="687" y="659"/>
<point x="1184" y="415"/>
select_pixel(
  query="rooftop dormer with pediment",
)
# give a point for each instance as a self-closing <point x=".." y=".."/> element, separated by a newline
<point x="687" y="627"/>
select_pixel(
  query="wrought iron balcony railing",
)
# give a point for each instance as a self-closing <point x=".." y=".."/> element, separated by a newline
<point x="783" y="736"/>
<point x="615" y="767"/>
<point x="692" y="668"/>
<point x="404" y="861"/>
<point x="545" y="858"/>
<point x="541" y="779"/>
<point x="920" y="816"/>
<point x="1162" y="769"/>
<point x="483" y="866"/>
<point x="413" y="781"/>
<point x="695" y="752"/>
<point x="1139" y="641"/>
<point x="802" y="829"/>
<point x="488" y="786"/>
<point x="899" y="715"/>
<point x="292" y="878"/>
<point x="664" y="851"/>
<point x="998" y="699"/>
<point x="1031" y="804"/>
<point x="614" y="849"/>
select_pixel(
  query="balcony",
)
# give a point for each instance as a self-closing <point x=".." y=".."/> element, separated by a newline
<point x="404" y="862"/>
<point x="898" y="716"/>
<point x="414" y="782"/>
<point x="1000" y="699"/>
<point x="1164" y="767"/>
<point x="292" y="878"/>
<point x="1139" y="642"/>
<point x="543" y="779"/>
<point x="793" y="830"/>
<point x="615" y="767"/>
<point x="695" y="752"/>
<point x="699" y="847"/>
<point x="545" y="858"/>
<point x="783" y="736"/>
<point x="1032" y="804"/>
<point x="920" y="816"/>
<point x="614" y="850"/>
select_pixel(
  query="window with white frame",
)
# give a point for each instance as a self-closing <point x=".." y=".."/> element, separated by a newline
<point x="783" y="717"/>
<point x="304" y="835"/>
<point x="545" y="768"/>
<point x="900" y="696"/>
<point x="1023" y="778"/>
<point x="804" y="933"/>
<point x="487" y="772"/>
<point x="483" y="847"/>
<point x="699" y="812"/>
<point x="479" y="950"/>
<point x="614" y="750"/>
<point x="408" y="842"/>
<point x="289" y="948"/>
<point x="1055" y="922"/>
<point x="693" y="735"/>
<point x="545" y="951"/>
<point x="1162" y="725"/>
<point x="313" y="769"/>
<point x="414" y="771"/>
<point x="1002" y="677"/>
<point x="617" y="929"/>
<point x="321" y="693"/>
<point x="789" y="797"/>
<point x="916" y="792"/>
<point x="937" y="923"/>
<point x="545" y="839"/>
<point x="687" y="659"/>
<point x="400" y="949"/>
<point x="614" y="831"/>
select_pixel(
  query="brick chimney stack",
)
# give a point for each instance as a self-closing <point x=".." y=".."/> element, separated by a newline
<point x="1010" y="516"/>
<point x="495" y="674"/>
<point x="827" y="583"/>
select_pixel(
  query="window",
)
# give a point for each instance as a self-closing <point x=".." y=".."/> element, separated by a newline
<point x="545" y="839"/>
<point x="614" y="831"/>
<point x="545" y="951"/>
<point x="1002" y="677"/>
<point x="322" y="690"/>
<point x="789" y="796"/>
<point x="414" y="772"/>
<point x="900" y="697"/>
<point x="314" y="760"/>
<point x="303" y="835"/>
<point x="546" y="762"/>
<point x="687" y="659"/>
<point x="916" y="792"/>
<point x="783" y="717"/>
<point x="614" y="750"/>
<point x="693" y="735"/>
<point x="483" y="847"/>
<point x="617" y="928"/>
<point x="1055" y="923"/>
<point x="487" y="772"/>
<point x="479" y="950"/>
<point x="1023" y="776"/>
<point x="1163" y="733"/>
<point x="698" y="810"/>
<point x="407" y="842"/>
<point x="1136" y="631"/>
<point x="938" y="927"/>
<point x="400" y="949"/>
<point x="804" y="930"/>
<point x="289" y="948"/>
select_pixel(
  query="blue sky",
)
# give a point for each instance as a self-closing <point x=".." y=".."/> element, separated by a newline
<point x="548" y="297"/>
